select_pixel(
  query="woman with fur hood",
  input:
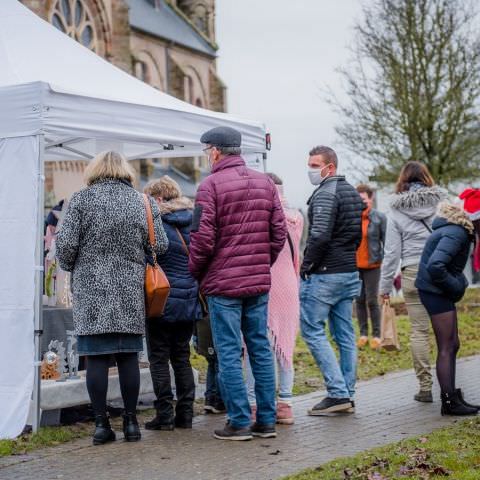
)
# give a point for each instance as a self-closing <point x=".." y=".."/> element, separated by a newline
<point x="168" y="337"/>
<point x="441" y="284"/>
<point x="409" y="222"/>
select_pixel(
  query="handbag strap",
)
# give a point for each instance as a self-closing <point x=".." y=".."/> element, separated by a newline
<point x="292" y="248"/>
<point x="425" y="224"/>
<point x="151" y="230"/>
<point x="185" y="247"/>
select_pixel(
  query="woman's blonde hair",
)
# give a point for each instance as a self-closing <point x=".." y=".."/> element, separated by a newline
<point x="109" y="165"/>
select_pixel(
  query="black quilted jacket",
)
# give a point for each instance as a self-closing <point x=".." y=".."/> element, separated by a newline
<point x="335" y="231"/>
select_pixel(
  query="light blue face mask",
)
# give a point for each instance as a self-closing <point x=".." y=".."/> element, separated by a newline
<point x="315" y="175"/>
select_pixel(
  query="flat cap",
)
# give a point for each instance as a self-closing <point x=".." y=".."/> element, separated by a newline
<point x="222" y="137"/>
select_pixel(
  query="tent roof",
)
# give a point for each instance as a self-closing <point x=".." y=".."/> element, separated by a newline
<point x="51" y="84"/>
<point x="164" y="22"/>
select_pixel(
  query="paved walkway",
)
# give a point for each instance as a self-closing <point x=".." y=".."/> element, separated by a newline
<point x="385" y="413"/>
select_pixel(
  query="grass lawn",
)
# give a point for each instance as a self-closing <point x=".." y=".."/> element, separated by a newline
<point x="374" y="363"/>
<point x="452" y="452"/>
<point x="45" y="437"/>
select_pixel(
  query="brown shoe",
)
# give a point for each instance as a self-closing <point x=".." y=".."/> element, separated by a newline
<point x="284" y="414"/>
<point x="375" y="343"/>
<point x="362" y="341"/>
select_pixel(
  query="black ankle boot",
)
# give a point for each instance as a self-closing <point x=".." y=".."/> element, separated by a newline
<point x="459" y="392"/>
<point x="183" y="422"/>
<point x="131" y="430"/>
<point x="160" y="422"/>
<point x="103" y="431"/>
<point x="452" y="405"/>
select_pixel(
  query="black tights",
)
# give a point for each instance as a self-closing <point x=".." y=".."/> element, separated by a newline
<point x="446" y="333"/>
<point x="97" y="380"/>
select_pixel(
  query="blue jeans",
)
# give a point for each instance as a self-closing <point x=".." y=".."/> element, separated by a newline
<point x="330" y="297"/>
<point x="230" y="318"/>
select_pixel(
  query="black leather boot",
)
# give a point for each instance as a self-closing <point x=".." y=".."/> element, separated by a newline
<point x="103" y="431"/>
<point x="131" y="430"/>
<point x="459" y="392"/>
<point x="452" y="405"/>
<point x="160" y="422"/>
<point x="183" y="422"/>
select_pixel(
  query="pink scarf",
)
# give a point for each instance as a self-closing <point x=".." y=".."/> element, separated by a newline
<point x="284" y="304"/>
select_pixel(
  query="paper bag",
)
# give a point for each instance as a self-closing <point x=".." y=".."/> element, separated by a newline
<point x="389" y="338"/>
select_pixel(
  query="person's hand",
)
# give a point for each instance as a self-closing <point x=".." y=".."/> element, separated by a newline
<point x="304" y="273"/>
<point x="385" y="297"/>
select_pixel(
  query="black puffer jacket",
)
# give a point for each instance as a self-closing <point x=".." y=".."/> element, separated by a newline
<point x="446" y="254"/>
<point x="335" y="230"/>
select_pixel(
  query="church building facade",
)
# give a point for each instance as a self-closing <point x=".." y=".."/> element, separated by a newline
<point x="169" y="44"/>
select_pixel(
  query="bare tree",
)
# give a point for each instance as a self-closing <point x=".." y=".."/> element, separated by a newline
<point x="413" y="88"/>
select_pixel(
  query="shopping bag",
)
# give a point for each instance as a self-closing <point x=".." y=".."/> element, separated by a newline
<point x="203" y="332"/>
<point x="389" y="337"/>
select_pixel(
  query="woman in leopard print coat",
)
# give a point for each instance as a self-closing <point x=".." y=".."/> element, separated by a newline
<point x="103" y="241"/>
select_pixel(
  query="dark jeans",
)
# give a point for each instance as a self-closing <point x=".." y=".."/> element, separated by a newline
<point x="171" y="342"/>
<point x="212" y="392"/>
<point x="367" y="302"/>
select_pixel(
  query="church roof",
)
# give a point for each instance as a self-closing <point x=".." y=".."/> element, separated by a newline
<point x="164" y="22"/>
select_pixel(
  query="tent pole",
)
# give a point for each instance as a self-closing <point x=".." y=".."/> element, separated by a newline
<point x="39" y="267"/>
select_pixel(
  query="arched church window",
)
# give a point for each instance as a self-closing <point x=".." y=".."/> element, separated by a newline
<point x="142" y="72"/>
<point x="75" y="18"/>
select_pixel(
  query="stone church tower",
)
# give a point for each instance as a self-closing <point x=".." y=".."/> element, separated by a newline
<point x="201" y="13"/>
<point x="169" y="44"/>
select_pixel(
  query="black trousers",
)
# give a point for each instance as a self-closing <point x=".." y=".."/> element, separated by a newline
<point x="170" y="342"/>
<point x="367" y="302"/>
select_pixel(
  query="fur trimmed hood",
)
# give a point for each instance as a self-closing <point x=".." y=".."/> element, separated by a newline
<point x="419" y="202"/>
<point x="456" y="215"/>
<point x="174" y="205"/>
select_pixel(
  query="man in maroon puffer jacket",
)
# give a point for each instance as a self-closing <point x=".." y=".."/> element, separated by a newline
<point x="237" y="233"/>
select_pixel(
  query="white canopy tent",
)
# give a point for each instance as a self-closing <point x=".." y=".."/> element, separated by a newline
<point x="60" y="101"/>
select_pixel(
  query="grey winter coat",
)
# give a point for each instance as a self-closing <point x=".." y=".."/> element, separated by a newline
<point x="408" y="227"/>
<point x="103" y="241"/>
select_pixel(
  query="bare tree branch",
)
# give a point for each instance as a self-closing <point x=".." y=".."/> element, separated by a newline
<point x="414" y="87"/>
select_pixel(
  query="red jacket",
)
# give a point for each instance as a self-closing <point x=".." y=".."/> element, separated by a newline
<point x="238" y="231"/>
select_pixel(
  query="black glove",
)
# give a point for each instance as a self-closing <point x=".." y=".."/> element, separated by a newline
<point x="305" y="271"/>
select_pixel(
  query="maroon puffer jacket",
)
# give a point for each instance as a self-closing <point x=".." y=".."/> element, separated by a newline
<point x="238" y="231"/>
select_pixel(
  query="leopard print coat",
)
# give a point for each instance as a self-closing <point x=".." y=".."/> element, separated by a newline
<point x="103" y="241"/>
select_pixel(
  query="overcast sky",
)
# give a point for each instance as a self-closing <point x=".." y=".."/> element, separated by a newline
<point x="275" y="57"/>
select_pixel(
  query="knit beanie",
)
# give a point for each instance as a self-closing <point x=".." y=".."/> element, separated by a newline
<point x="471" y="202"/>
<point x="164" y="187"/>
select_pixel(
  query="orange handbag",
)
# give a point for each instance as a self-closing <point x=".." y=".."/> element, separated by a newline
<point x="157" y="286"/>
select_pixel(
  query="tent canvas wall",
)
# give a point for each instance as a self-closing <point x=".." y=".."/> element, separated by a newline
<point x="60" y="101"/>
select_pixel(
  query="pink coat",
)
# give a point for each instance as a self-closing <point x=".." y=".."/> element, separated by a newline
<point x="284" y="305"/>
<point x="238" y="231"/>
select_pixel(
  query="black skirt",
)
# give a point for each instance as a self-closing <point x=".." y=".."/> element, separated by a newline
<point x="436" y="304"/>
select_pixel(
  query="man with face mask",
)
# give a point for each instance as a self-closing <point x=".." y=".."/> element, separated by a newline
<point x="330" y="279"/>
<point x="238" y="231"/>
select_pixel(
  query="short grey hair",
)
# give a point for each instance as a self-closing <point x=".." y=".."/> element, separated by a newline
<point x="326" y="152"/>
<point x="229" y="150"/>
